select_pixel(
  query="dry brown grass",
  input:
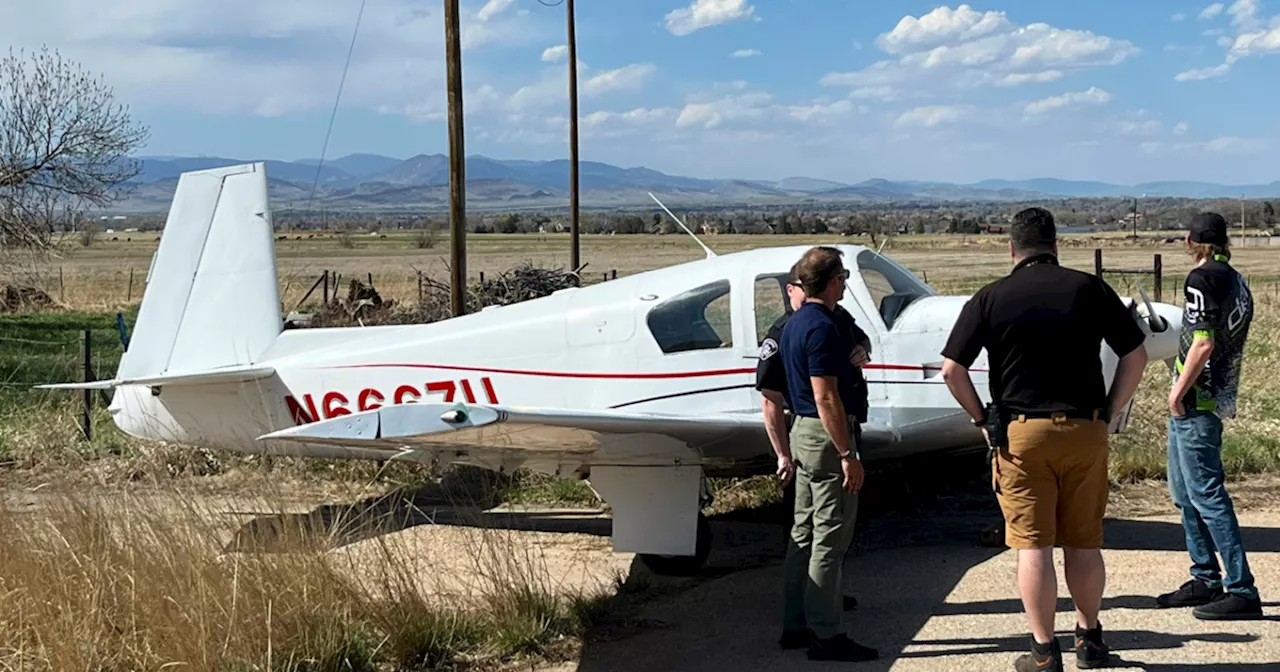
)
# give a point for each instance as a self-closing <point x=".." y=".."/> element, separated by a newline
<point x="132" y="582"/>
<point x="98" y="278"/>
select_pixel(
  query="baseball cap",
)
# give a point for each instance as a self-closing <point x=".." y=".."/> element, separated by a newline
<point x="1209" y="227"/>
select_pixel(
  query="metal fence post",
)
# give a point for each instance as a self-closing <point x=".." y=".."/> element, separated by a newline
<point x="1159" y="272"/>
<point x="88" y="378"/>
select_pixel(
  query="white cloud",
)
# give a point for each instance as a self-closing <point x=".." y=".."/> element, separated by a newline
<point x="552" y="87"/>
<point x="1244" y="14"/>
<point x="706" y="13"/>
<point x="1094" y="96"/>
<point x="1181" y="128"/>
<point x="751" y="105"/>
<point x="930" y="116"/>
<point x="745" y="53"/>
<point x="1212" y="11"/>
<point x="493" y="8"/>
<point x="1198" y="74"/>
<point x="1255" y="43"/>
<point x="555" y="54"/>
<point x="1030" y="78"/>
<point x="252" y="57"/>
<point x="882" y="93"/>
<point x="1149" y="127"/>
<point x="1178" y="17"/>
<point x="942" y="25"/>
<point x="627" y="78"/>
<point x="824" y="112"/>
<point x="967" y="49"/>
<point x="1254" y="38"/>
<point x="733" y="105"/>
<point x="1234" y="145"/>
<point x="1225" y="145"/>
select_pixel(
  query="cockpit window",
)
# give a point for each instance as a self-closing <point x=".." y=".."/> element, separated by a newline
<point x="699" y="319"/>
<point x="771" y="302"/>
<point x="891" y="286"/>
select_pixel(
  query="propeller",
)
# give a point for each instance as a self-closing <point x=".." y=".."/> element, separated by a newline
<point x="1157" y="323"/>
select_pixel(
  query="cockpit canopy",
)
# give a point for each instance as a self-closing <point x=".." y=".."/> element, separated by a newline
<point x="892" y="287"/>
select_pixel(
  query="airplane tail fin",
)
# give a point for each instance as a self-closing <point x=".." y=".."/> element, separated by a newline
<point x="211" y="300"/>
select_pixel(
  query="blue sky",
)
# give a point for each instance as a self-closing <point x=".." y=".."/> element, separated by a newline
<point x="839" y="89"/>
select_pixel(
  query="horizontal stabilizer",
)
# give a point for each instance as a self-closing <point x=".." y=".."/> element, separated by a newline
<point x="213" y="377"/>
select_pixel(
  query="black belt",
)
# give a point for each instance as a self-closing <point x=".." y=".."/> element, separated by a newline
<point x="1096" y="414"/>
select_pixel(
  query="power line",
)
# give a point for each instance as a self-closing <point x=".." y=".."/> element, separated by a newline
<point x="334" y="114"/>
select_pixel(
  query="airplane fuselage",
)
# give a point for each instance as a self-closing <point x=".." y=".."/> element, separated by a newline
<point x="681" y="340"/>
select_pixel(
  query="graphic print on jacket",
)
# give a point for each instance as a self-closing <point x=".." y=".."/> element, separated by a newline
<point x="1218" y="304"/>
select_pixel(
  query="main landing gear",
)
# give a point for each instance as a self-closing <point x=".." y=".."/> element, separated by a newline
<point x="682" y="565"/>
<point x="686" y="565"/>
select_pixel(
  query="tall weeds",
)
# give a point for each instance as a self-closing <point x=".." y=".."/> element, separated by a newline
<point x="143" y="583"/>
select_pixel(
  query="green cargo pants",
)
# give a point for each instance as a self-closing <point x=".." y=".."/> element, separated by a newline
<point x="824" y="518"/>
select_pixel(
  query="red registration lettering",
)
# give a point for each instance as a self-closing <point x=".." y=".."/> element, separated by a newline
<point x="367" y="394"/>
<point x="446" y="386"/>
<point x="335" y="404"/>
<point x="404" y="391"/>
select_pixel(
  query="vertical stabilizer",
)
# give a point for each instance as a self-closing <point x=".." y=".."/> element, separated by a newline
<point x="212" y="298"/>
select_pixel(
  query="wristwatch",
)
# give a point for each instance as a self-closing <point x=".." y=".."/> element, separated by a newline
<point x="980" y="422"/>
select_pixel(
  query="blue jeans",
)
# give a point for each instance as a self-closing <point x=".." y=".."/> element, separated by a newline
<point x="1197" y="484"/>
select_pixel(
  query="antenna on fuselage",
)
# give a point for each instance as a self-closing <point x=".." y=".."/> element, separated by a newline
<point x="710" y="254"/>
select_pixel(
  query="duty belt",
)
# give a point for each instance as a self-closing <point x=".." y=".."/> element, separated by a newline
<point x="1019" y="416"/>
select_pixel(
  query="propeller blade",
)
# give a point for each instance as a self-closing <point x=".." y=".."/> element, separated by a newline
<point x="1157" y="323"/>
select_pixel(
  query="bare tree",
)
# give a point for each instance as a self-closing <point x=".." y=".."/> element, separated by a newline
<point x="64" y="146"/>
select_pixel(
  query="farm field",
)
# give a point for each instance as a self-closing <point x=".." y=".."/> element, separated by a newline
<point x="527" y="594"/>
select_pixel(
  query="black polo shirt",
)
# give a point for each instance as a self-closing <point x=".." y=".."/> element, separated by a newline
<point x="772" y="375"/>
<point x="1043" y="326"/>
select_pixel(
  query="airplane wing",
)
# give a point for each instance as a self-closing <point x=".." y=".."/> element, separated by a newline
<point x="598" y="437"/>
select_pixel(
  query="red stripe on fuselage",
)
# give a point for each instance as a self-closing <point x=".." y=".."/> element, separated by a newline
<point x="616" y="376"/>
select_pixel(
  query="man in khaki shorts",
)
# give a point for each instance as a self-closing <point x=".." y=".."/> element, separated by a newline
<point x="1043" y="327"/>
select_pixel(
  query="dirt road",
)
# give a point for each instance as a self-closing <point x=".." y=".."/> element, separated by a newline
<point x="931" y="599"/>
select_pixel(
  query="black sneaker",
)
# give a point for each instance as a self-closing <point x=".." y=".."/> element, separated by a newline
<point x="850" y="603"/>
<point x="1091" y="651"/>
<point x="841" y="648"/>
<point x="796" y="639"/>
<point x="1036" y="662"/>
<point x="1192" y="594"/>
<point x="1230" y="607"/>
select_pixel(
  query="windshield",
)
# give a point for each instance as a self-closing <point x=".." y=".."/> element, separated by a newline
<point x="891" y="286"/>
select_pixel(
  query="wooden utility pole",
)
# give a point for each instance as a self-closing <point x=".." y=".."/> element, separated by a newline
<point x="574" y="258"/>
<point x="457" y="164"/>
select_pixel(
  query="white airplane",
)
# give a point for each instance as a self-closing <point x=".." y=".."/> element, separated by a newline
<point x="642" y="386"/>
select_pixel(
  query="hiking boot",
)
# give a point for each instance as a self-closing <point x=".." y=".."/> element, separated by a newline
<point x="1091" y="651"/>
<point x="850" y="603"/>
<point x="796" y="639"/>
<point x="1230" y="607"/>
<point x="1193" y="593"/>
<point x="841" y="648"/>
<point x="1043" y="658"/>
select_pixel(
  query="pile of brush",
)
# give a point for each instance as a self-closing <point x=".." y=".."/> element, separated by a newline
<point x="521" y="283"/>
<point x="363" y="305"/>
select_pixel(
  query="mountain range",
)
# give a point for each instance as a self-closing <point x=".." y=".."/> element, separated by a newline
<point x="374" y="182"/>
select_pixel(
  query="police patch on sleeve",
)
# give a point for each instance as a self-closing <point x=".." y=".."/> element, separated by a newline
<point x="768" y="348"/>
